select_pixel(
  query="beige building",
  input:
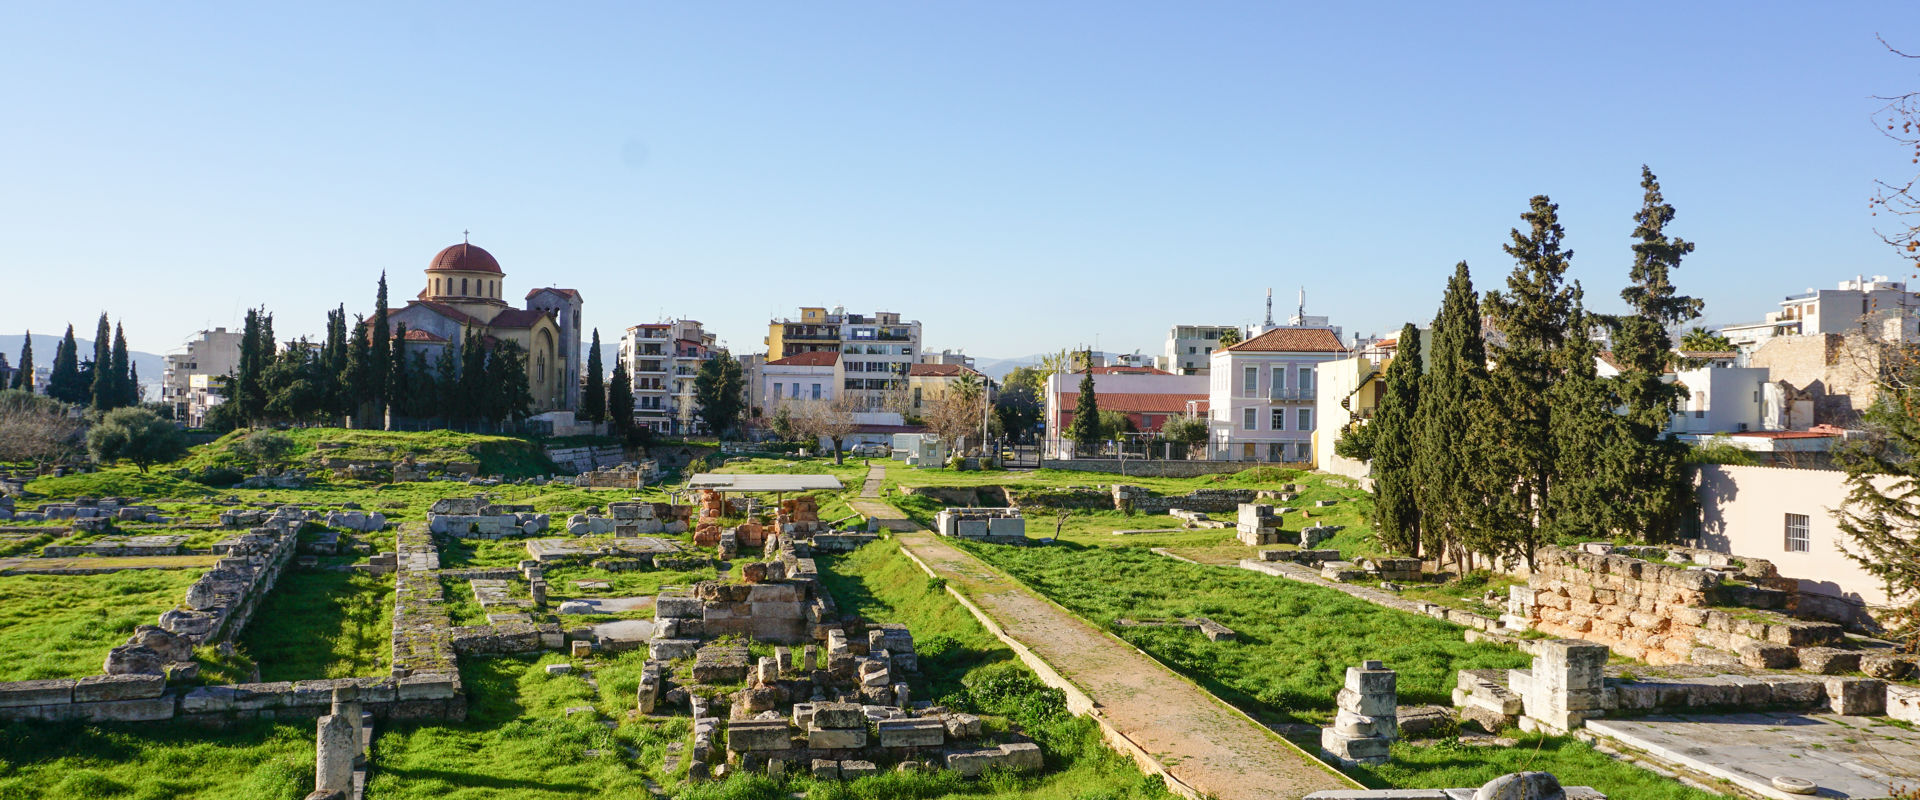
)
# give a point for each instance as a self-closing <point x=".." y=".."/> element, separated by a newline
<point x="188" y="385"/>
<point x="1787" y="517"/>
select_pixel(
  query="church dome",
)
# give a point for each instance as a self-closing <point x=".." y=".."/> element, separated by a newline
<point x="463" y="257"/>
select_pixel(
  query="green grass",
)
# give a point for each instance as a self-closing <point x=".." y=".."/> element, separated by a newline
<point x="1295" y="641"/>
<point x="519" y="743"/>
<point x="1448" y="763"/>
<point x="323" y="624"/>
<point x="479" y="553"/>
<point x="117" y="482"/>
<point x="510" y="456"/>
<point x="61" y="626"/>
<point x="462" y="608"/>
<point x="156" y="761"/>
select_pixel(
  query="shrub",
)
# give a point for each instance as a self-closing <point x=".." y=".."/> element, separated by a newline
<point x="265" y="446"/>
<point x="957" y="464"/>
<point x="137" y="435"/>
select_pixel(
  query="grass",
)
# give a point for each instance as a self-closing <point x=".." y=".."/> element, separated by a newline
<point x="1295" y="641"/>
<point x="462" y="608"/>
<point x="477" y="553"/>
<point x="1448" y="763"/>
<point x="156" y="761"/>
<point x="61" y="626"/>
<point x="510" y="456"/>
<point x="323" y="624"/>
<point x="1466" y="591"/>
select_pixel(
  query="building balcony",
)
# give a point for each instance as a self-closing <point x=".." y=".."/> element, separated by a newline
<point x="1279" y="395"/>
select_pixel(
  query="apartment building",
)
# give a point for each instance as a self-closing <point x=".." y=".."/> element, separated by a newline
<point x="190" y="383"/>
<point x="1189" y="349"/>
<point x="1883" y="307"/>
<point x="662" y="360"/>
<point x="876" y="350"/>
<point x="1263" y="394"/>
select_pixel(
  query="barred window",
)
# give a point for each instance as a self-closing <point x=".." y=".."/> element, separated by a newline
<point x="1799" y="533"/>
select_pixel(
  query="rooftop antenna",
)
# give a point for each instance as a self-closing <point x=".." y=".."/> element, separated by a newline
<point x="1269" y="306"/>
<point x="1302" y="312"/>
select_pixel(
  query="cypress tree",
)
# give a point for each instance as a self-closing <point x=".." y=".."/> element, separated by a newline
<point x="446" y="384"/>
<point x="593" y="401"/>
<point x="133" y="384"/>
<point x="105" y="389"/>
<point x="1587" y="435"/>
<point x="123" y="379"/>
<point x="421" y="394"/>
<point x="333" y="361"/>
<point x="1448" y="454"/>
<point x="478" y="403"/>
<point x="64" y="383"/>
<point x="380" y="353"/>
<point x="396" y="380"/>
<point x="1396" y="507"/>
<point x="507" y="379"/>
<point x="353" y="375"/>
<point x="620" y="399"/>
<point x="23" y="379"/>
<point x="1531" y="317"/>
<point x="1084" y="431"/>
<point x="247" y="393"/>
<point x="1654" y="497"/>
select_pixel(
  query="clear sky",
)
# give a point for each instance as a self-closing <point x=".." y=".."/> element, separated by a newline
<point x="1019" y="176"/>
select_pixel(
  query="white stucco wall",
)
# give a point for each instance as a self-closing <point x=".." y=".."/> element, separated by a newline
<point x="1743" y="512"/>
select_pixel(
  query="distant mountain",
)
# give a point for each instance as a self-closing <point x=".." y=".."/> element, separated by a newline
<point x="150" y="366"/>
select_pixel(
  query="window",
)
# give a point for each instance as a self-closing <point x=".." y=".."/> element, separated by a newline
<point x="1279" y="419"/>
<point x="1306" y="420"/>
<point x="1277" y="451"/>
<point x="1799" y="534"/>
<point x="1279" y="387"/>
<point x="916" y="398"/>
<point x="1250" y="387"/>
<point x="1248" y="421"/>
<point x="1306" y="380"/>
<point x="796" y="391"/>
<point x="463" y="285"/>
<point x="816" y="391"/>
<point x="776" y="389"/>
<point x="1192" y="350"/>
<point x="1305" y="450"/>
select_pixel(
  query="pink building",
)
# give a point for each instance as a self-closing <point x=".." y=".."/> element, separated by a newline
<point x="1262" y="393"/>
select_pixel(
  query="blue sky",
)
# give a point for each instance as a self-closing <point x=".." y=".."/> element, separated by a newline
<point x="1018" y="176"/>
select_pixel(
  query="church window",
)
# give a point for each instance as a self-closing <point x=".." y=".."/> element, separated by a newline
<point x="463" y="285"/>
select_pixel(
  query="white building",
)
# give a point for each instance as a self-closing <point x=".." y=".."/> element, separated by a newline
<point x="207" y="356"/>
<point x="875" y="350"/>
<point x="1884" y="306"/>
<point x="794" y="379"/>
<point x="662" y="360"/>
<point x="947" y="357"/>
<point x="1262" y="394"/>
<point x="1189" y="348"/>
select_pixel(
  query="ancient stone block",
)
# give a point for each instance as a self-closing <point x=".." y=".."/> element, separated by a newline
<point x="1857" y="696"/>
<point x="819" y="738"/>
<point x="1903" y="703"/>
<point x="35" y="693"/>
<point x="826" y="769"/>
<point x="759" y="735"/>
<point x="839" y="715"/>
<point x="1828" y="660"/>
<point x="106" y="688"/>
<point x="911" y="732"/>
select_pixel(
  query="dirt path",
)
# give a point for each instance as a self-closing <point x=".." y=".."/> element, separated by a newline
<point x="1202" y="742"/>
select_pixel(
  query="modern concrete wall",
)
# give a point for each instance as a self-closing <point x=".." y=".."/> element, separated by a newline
<point x="1743" y="512"/>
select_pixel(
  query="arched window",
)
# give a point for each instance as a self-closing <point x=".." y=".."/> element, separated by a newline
<point x="463" y="285"/>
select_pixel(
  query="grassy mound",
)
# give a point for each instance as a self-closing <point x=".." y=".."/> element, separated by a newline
<point x="117" y="482"/>
<point x="510" y="456"/>
<point x="61" y="626"/>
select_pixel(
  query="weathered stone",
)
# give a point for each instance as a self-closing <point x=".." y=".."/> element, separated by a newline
<point x="836" y="738"/>
<point x="850" y="770"/>
<point x="838" y="715"/>
<point x="35" y="693"/>
<point x="826" y="769"/>
<point x="1522" y="786"/>
<point x="1885" y="667"/>
<point x="106" y="688"/>
<point x="129" y="659"/>
<point x="1857" y="696"/>
<point x="911" y="732"/>
<point x="759" y="735"/>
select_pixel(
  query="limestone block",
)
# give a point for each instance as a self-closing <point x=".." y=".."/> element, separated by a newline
<point x="911" y="732"/>
<point x="148" y="709"/>
<point x="825" y="769"/>
<point x="1857" y="696"/>
<point x="1828" y="660"/>
<point x="1886" y="667"/>
<point x="857" y="769"/>
<point x="1371" y="704"/>
<point x="1903" y="703"/>
<point x="1022" y="756"/>
<point x="106" y="688"/>
<point x="819" y="738"/>
<point x="1521" y="786"/>
<point x="680" y="606"/>
<point x="35" y="693"/>
<point x="962" y="726"/>
<point x="838" y="715"/>
<point x="759" y="735"/>
<point x="1768" y="656"/>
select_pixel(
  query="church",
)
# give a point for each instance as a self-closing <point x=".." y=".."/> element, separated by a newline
<point x="464" y="289"/>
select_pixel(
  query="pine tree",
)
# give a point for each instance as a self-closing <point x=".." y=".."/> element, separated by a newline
<point x="333" y="358"/>
<point x="1396" y="507"/>
<point x="1448" y="453"/>
<point x="1881" y="514"/>
<point x="105" y="390"/>
<point x="1531" y="317"/>
<point x="397" y="400"/>
<point x="718" y="391"/>
<point x="1654" y="496"/>
<point x="23" y="379"/>
<point x="124" y="393"/>
<point x="479" y="403"/>
<point x="620" y="399"/>
<point x="421" y="394"/>
<point x="133" y="384"/>
<point x="64" y="384"/>
<point x="248" y="392"/>
<point x="380" y="349"/>
<point x="507" y="378"/>
<point x="1084" y="430"/>
<point x="593" y="401"/>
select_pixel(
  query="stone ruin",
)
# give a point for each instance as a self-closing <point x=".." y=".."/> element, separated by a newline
<point x="477" y="518"/>
<point x="624" y="476"/>
<point x="996" y="525"/>
<point x="1260" y="525"/>
<point x="832" y="699"/>
<point x="155" y="545"/>
<point x="800" y="517"/>
<point x="1214" y="631"/>
<point x="1513" y="786"/>
<point x="1367" y="723"/>
<point x="87" y="513"/>
<point x="1567" y="685"/>
<point x="1141" y="500"/>
<point x="1666" y="613"/>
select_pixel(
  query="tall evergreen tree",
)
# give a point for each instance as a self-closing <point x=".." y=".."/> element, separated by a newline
<point x="446" y="382"/>
<point x="507" y="380"/>
<point x="479" y="404"/>
<point x="1396" y="507"/>
<point x="248" y="392"/>
<point x="124" y="393"/>
<point x="23" y="379"/>
<point x="620" y="399"/>
<point x="1881" y="515"/>
<point x="64" y="384"/>
<point x="133" y="384"/>
<point x="719" y="390"/>
<point x="1084" y="430"/>
<point x="593" y="400"/>
<point x="1654" y="496"/>
<point x="396" y="392"/>
<point x="333" y="357"/>
<point x="1531" y="317"/>
<point x="380" y="349"/>
<point x="1588" y="437"/>
<point x="422" y="393"/>
<point x="105" y="390"/>
<point x="1448" y="452"/>
<point x="354" y="376"/>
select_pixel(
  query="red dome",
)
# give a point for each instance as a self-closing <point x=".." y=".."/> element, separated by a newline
<point x="464" y="257"/>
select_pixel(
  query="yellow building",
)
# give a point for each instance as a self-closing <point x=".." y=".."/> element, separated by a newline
<point x="925" y="382"/>
<point x="464" y="292"/>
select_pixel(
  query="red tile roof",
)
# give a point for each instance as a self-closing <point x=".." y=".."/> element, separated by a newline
<point x="446" y="311"/>
<point x="941" y="371"/>
<point x="424" y="336"/>
<point x="567" y="292"/>
<point x="822" y="358"/>
<point x="1292" y="340"/>
<point x="464" y="257"/>
<point x="1137" y="402"/>
<point x="517" y="318"/>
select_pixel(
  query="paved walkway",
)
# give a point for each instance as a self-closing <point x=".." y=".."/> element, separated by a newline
<point x="1201" y="741"/>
